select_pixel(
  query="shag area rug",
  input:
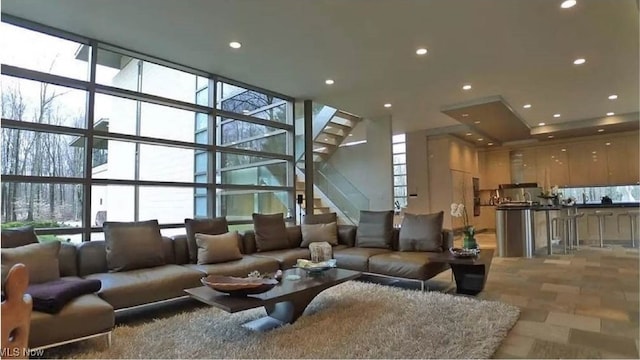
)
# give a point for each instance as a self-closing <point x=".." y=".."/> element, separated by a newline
<point x="351" y="320"/>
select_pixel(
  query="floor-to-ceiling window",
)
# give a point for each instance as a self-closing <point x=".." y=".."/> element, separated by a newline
<point x="399" y="147"/>
<point x="94" y="133"/>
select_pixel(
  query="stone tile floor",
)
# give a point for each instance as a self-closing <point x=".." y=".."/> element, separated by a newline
<point x="580" y="305"/>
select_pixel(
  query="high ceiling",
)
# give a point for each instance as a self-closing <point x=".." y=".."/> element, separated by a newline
<point x="520" y="50"/>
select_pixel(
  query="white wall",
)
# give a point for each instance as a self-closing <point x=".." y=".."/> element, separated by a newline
<point x="369" y="166"/>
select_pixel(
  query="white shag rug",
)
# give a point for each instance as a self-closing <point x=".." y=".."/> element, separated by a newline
<point x="351" y="320"/>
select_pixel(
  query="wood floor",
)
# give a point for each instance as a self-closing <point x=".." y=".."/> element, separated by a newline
<point x="580" y="305"/>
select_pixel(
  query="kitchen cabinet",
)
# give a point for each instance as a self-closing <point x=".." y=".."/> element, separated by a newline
<point x="633" y="159"/>
<point x="495" y="169"/>
<point x="619" y="171"/>
<point x="553" y="162"/>
<point x="587" y="163"/>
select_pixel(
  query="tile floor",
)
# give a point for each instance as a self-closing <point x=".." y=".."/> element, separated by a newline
<point x="580" y="305"/>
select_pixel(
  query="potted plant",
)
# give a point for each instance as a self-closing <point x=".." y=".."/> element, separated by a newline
<point x="469" y="240"/>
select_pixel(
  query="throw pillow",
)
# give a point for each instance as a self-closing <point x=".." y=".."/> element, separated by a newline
<point x="214" y="226"/>
<point x="320" y="218"/>
<point x="52" y="296"/>
<point x="133" y="245"/>
<point x="17" y="237"/>
<point x="375" y="229"/>
<point x="213" y="249"/>
<point x="271" y="233"/>
<point x="319" y="233"/>
<point x="421" y="232"/>
<point x="41" y="260"/>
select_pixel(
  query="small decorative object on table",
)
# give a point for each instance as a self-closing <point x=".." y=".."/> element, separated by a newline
<point x="320" y="251"/>
<point x="315" y="267"/>
<point x="464" y="253"/>
<point x="235" y="286"/>
<point x="469" y="232"/>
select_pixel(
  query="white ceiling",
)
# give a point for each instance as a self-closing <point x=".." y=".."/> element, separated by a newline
<point x="520" y="49"/>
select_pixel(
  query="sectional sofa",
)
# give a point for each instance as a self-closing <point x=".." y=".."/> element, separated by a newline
<point x="94" y="314"/>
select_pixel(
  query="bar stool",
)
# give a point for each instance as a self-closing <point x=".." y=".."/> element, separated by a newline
<point x="577" y="216"/>
<point x="564" y="231"/>
<point x="633" y="223"/>
<point x="601" y="215"/>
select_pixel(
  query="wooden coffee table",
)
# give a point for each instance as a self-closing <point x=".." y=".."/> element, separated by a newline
<point x="284" y="303"/>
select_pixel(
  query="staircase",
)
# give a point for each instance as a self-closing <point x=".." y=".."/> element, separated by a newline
<point x="332" y="191"/>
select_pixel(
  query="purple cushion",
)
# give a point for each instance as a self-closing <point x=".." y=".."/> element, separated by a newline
<point x="52" y="296"/>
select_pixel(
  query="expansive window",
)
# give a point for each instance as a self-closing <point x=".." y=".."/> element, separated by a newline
<point x="94" y="133"/>
<point x="399" y="147"/>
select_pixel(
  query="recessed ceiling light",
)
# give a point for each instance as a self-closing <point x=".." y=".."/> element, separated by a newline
<point x="490" y="144"/>
<point x="387" y="105"/>
<point x="610" y="114"/>
<point x="556" y="115"/>
<point x="607" y="144"/>
<point x="553" y="156"/>
<point x="465" y="115"/>
<point x="579" y="61"/>
<point x="527" y="106"/>
<point x="613" y="97"/>
<point x="466" y="87"/>
<point x="421" y="51"/>
<point x="600" y="130"/>
<point x="594" y="152"/>
<point x="477" y="122"/>
<point x="564" y="150"/>
<point x="350" y="134"/>
<point x="329" y="82"/>
<point x="542" y="124"/>
<point x="325" y="139"/>
<point x="469" y="134"/>
<point x="480" y="139"/>
<point x="550" y="136"/>
<point x="568" y="4"/>
<point x="235" y="45"/>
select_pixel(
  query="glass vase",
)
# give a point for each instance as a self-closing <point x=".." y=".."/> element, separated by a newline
<point x="469" y="241"/>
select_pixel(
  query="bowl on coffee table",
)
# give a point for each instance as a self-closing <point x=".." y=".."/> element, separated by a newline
<point x="236" y="286"/>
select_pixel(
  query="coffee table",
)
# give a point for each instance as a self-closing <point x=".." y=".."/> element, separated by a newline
<point x="284" y="304"/>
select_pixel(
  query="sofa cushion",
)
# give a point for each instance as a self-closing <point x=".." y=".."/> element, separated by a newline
<point x="354" y="258"/>
<point x="421" y="232"/>
<point x="271" y="232"/>
<point x="83" y="316"/>
<point x="133" y="245"/>
<point x="214" y="226"/>
<point x="214" y="249"/>
<point x="286" y="258"/>
<point x="142" y="286"/>
<point x="239" y="268"/>
<point x="375" y="229"/>
<point x="19" y="236"/>
<point x="41" y="260"/>
<point x="311" y="219"/>
<point x="52" y="296"/>
<point x="92" y="258"/>
<point x="347" y="235"/>
<point x="319" y="233"/>
<point x="410" y="265"/>
<point x="67" y="258"/>
<point x="294" y="236"/>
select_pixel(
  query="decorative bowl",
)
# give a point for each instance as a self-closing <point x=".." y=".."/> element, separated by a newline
<point x="464" y="253"/>
<point x="236" y="286"/>
<point x="315" y="267"/>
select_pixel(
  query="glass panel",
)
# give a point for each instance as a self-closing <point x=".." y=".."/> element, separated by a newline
<point x="400" y="191"/>
<point x="400" y="138"/>
<point x="111" y="203"/>
<point x="399" y="148"/>
<point x="245" y="135"/>
<point x="123" y="72"/>
<point x="241" y="227"/>
<point x="167" y="204"/>
<point x="402" y="201"/>
<point x="201" y="121"/>
<point x="41" y="205"/>
<point x="594" y="194"/>
<point x="118" y="115"/>
<point x="37" y="51"/>
<point x="200" y="204"/>
<point x="399" y="169"/>
<point x="173" y="231"/>
<point x="273" y="173"/>
<point x="240" y="204"/>
<point x="35" y="153"/>
<point x="201" y="162"/>
<point x="400" y="159"/>
<point x="228" y="160"/>
<point x="34" y="101"/>
<point x="400" y="180"/>
<point x="239" y="100"/>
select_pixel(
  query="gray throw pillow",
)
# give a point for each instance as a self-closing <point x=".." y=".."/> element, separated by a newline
<point x="321" y="218"/>
<point x="375" y="229"/>
<point x="18" y="236"/>
<point x="133" y="245"/>
<point x="41" y="260"/>
<point x="421" y="232"/>
<point x="214" y="226"/>
<point x="319" y="233"/>
<point x="271" y="233"/>
<point x="213" y="249"/>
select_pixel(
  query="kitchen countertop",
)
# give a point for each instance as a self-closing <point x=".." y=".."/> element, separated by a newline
<point x="560" y="207"/>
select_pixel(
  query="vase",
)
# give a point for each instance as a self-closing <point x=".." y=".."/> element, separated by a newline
<point x="469" y="241"/>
